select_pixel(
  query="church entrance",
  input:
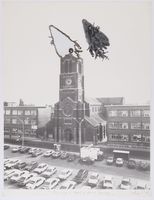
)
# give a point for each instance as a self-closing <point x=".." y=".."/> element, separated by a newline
<point x="68" y="136"/>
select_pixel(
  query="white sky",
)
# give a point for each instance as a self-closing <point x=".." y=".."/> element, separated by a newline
<point x="31" y="66"/>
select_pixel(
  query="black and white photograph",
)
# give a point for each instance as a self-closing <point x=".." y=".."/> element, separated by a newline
<point x="77" y="97"/>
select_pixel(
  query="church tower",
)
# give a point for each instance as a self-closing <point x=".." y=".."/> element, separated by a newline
<point x="69" y="112"/>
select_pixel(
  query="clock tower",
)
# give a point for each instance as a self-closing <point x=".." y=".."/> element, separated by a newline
<point x="69" y="112"/>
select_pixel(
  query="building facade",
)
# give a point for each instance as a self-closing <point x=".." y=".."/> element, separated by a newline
<point x="128" y="125"/>
<point x="27" y="119"/>
<point x="74" y="120"/>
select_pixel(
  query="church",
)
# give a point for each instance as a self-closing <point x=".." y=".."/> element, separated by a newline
<point x="76" y="120"/>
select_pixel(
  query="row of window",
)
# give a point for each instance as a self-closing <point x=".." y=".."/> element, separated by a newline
<point x="21" y="112"/>
<point x="71" y="66"/>
<point x="124" y="125"/>
<point x="125" y="113"/>
<point x="16" y="131"/>
<point x="95" y="108"/>
<point x="16" y="121"/>
<point x="125" y="138"/>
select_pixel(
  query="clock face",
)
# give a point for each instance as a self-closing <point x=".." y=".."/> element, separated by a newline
<point x="68" y="81"/>
<point x="68" y="110"/>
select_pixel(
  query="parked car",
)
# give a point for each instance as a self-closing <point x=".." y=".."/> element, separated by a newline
<point x="37" y="153"/>
<point x="9" y="173"/>
<point x="6" y="146"/>
<point x="93" y="179"/>
<point x="48" y="153"/>
<point x="119" y="162"/>
<point x="56" y="154"/>
<point x="64" y="155"/>
<point x="68" y="185"/>
<point x="81" y="175"/>
<point x="143" y="166"/>
<point x="71" y="158"/>
<point x="107" y="182"/>
<point x="125" y="184"/>
<point x="20" y="165"/>
<point x="23" y="180"/>
<point x="141" y="186"/>
<point x="85" y="187"/>
<point x="30" y="166"/>
<point x="6" y="161"/>
<point x="24" y="149"/>
<point x="41" y="168"/>
<point x="16" y="176"/>
<point x="50" y="183"/>
<point x="64" y="174"/>
<point x="49" y="172"/>
<point x="16" y="149"/>
<point x="86" y="161"/>
<point x="12" y="163"/>
<point x="35" y="182"/>
<point x="31" y="150"/>
<point x="131" y="164"/>
<point x="110" y="160"/>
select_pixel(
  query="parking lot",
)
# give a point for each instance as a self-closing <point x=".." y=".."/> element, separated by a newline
<point x="100" y="167"/>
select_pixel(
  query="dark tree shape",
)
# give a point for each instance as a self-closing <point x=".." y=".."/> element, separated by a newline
<point x="96" y="39"/>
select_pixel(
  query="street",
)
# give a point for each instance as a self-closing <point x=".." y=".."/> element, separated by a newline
<point x="99" y="166"/>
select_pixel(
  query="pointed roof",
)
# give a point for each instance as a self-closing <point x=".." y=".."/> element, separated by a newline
<point x="95" y="120"/>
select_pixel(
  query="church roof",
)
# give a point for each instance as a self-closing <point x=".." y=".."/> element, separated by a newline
<point x="92" y="101"/>
<point x="95" y="120"/>
<point x="111" y="100"/>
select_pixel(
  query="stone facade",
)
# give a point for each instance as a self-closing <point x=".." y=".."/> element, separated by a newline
<point x="70" y="122"/>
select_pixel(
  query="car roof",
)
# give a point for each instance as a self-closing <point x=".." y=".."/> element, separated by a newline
<point x="94" y="174"/>
<point x="108" y="177"/>
<point x="51" y="167"/>
<point x="42" y="164"/>
<point x="36" y="178"/>
<point x="67" y="183"/>
<point x="126" y="179"/>
<point x="65" y="170"/>
<point x="52" y="179"/>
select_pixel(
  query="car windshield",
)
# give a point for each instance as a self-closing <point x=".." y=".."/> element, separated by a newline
<point x="53" y="182"/>
<point x="63" y="187"/>
<point x="125" y="182"/>
<point x="93" y="177"/>
<point x="15" y="175"/>
<point x="41" y="166"/>
<point x="64" y="172"/>
<point x="31" y="182"/>
<point x="110" y="158"/>
<point x="47" y="183"/>
<point x="49" y="170"/>
<point x="22" y="178"/>
<point x="107" y="181"/>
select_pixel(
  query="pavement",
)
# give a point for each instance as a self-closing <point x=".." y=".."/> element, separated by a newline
<point x="99" y="166"/>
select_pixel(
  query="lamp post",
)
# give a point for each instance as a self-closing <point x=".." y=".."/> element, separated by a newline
<point x="79" y="123"/>
<point x="23" y="128"/>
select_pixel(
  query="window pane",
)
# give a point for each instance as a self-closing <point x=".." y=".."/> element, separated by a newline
<point x="112" y="113"/>
<point x="146" y="113"/>
<point x="27" y="112"/>
<point x="135" y="125"/>
<point x="7" y="112"/>
<point x="146" y="126"/>
<point x="14" y="121"/>
<point x="33" y="112"/>
<point x="135" y="113"/>
<point x="14" y="112"/>
<point x="20" y="112"/>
